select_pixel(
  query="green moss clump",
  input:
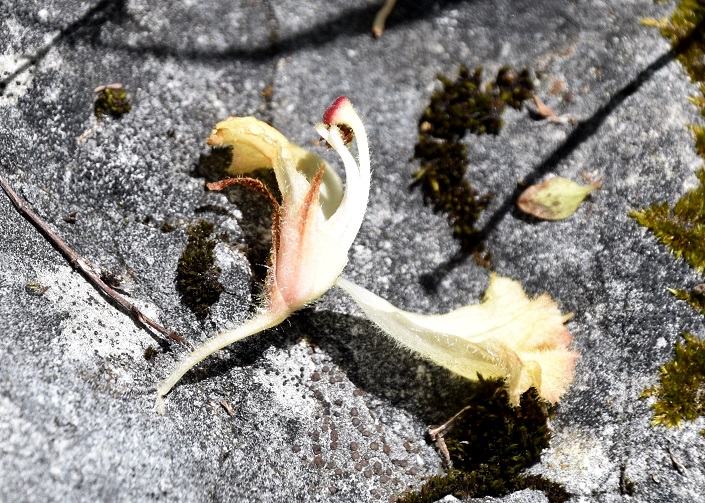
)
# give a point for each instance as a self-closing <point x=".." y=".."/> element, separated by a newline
<point x="681" y="392"/>
<point x="699" y="133"/>
<point x="113" y="101"/>
<point x="167" y="227"/>
<point x="695" y="297"/>
<point x="490" y="444"/>
<point x="682" y="25"/>
<point x="35" y="289"/>
<point x="462" y="106"/>
<point x="681" y="228"/>
<point x="196" y="274"/>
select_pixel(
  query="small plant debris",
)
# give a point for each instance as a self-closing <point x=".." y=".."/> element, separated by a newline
<point x="167" y="227"/>
<point x="196" y="274"/>
<point x="71" y="218"/>
<point x="111" y="278"/>
<point x="490" y="444"/>
<point x="677" y="463"/>
<point x="227" y="407"/>
<point x="554" y="199"/>
<point x="544" y="112"/>
<point x="464" y="105"/>
<point x="35" y="289"/>
<point x="111" y="99"/>
<point x="381" y="18"/>
<point x="149" y="353"/>
<point x="680" y="395"/>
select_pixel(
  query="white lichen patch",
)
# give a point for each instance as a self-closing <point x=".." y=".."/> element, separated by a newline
<point x="579" y="460"/>
<point x="282" y="384"/>
<point x="18" y="86"/>
<point x="93" y="328"/>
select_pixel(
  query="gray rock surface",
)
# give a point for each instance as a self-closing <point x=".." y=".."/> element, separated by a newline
<point x="76" y="393"/>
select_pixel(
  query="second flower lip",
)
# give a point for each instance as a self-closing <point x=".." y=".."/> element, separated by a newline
<point x="257" y="145"/>
<point x="508" y="336"/>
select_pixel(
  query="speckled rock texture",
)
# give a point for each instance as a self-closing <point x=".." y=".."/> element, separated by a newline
<point x="324" y="408"/>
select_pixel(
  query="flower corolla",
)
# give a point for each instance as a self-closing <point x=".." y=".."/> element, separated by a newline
<point x="508" y="335"/>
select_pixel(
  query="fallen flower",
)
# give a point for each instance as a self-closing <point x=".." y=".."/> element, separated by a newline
<point x="507" y="336"/>
<point x="554" y="199"/>
<point x="312" y="229"/>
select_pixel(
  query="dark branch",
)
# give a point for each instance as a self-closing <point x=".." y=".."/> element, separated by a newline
<point x="83" y="266"/>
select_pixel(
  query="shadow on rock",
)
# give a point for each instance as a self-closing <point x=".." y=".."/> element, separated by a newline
<point x="256" y="221"/>
<point x="380" y="367"/>
<point x="371" y="361"/>
<point x="348" y="23"/>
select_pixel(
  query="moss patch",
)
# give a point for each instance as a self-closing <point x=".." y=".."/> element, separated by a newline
<point x="464" y="105"/>
<point x="681" y="228"/>
<point x="197" y="275"/>
<point x="680" y="26"/>
<point x="680" y="394"/>
<point x="490" y="445"/>
<point x="167" y="227"/>
<point x="113" y="101"/>
<point x="695" y="297"/>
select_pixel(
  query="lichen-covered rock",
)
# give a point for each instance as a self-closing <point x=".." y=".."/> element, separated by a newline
<point x="276" y="417"/>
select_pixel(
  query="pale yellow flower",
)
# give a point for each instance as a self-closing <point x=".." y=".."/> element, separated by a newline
<point x="508" y="336"/>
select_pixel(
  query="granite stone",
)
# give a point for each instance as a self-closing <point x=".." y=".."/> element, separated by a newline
<point x="256" y="422"/>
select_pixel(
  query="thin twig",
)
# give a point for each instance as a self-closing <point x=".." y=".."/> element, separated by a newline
<point x="83" y="266"/>
<point x="381" y="18"/>
<point x="438" y="432"/>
